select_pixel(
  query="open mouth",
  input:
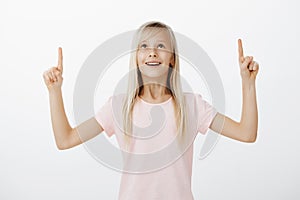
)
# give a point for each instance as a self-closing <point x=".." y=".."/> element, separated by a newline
<point x="153" y="64"/>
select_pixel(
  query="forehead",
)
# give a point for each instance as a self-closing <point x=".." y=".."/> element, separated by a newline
<point x="155" y="34"/>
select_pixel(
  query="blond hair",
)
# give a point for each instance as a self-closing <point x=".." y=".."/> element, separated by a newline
<point x="135" y="83"/>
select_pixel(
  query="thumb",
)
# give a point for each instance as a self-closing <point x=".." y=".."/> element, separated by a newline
<point x="246" y="63"/>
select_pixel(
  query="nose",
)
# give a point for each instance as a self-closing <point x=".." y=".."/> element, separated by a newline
<point x="152" y="52"/>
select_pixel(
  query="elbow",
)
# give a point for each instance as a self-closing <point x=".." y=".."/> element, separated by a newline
<point x="62" y="141"/>
<point x="252" y="140"/>
<point x="61" y="145"/>
<point x="248" y="134"/>
<point x="251" y="137"/>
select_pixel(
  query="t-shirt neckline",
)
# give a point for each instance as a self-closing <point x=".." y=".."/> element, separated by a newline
<point x="164" y="102"/>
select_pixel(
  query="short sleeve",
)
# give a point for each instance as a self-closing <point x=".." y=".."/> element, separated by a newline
<point x="104" y="117"/>
<point x="205" y="113"/>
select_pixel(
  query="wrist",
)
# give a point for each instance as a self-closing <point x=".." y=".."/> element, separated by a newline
<point x="54" y="90"/>
<point x="248" y="81"/>
<point x="248" y="85"/>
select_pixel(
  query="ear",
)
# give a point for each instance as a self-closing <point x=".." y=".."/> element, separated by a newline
<point x="172" y="62"/>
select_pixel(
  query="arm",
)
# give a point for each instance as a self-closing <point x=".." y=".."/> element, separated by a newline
<point x="246" y="129"/>
<point x="65" y="136"/>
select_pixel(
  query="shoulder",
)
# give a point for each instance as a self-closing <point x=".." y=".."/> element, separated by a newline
<point x="191" y="97"/>
<point x="195" y="101"/>
<point x="117" y="97"/>
<point x="114" y="100"/>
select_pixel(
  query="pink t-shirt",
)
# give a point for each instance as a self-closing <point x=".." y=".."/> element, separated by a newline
<point x="154" y="167"/>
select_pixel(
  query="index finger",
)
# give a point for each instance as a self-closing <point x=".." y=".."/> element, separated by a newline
<point x="241" y="52"/>
<point x="60" y="60"/>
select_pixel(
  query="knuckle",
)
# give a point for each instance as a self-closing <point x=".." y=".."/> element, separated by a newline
<point x="57" y="73"/>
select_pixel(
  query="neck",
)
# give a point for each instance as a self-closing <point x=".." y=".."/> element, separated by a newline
<point x="155" y="89"/>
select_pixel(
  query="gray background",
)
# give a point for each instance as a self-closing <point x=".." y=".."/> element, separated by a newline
<point x="30" y="32"/>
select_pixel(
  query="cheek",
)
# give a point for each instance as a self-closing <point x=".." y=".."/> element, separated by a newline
<point x="167" y="57"/>
<point x="140" y="58"/>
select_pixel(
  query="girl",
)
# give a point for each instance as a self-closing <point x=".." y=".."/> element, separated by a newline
<point x="155" y="81"/>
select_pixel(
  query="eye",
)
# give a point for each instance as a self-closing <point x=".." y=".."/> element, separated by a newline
<point x="160" y="46"/>
<point x="143" y="46"/>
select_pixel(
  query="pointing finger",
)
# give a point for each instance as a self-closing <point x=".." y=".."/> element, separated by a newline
<point x="60" y="60"/>
<point x="241" y="52"/>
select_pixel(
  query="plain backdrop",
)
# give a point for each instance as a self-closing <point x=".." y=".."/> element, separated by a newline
<point x="31" y="167"/>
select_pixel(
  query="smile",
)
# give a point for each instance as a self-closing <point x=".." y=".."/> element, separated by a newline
<point x="153" y="63"/>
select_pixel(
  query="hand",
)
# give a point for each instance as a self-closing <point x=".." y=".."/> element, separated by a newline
<point x="249" y="67"/>
<point x="53" y="76"/>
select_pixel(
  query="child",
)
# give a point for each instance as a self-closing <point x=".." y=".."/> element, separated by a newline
<point x="155" y="81"/>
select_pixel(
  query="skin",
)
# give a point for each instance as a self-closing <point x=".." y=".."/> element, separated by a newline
<point x="246" y="129"/>
<point x="157" y="48"/>
<point x="67" y="137"/>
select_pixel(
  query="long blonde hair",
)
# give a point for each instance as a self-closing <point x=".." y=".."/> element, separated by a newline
<point x="135" y="83"/>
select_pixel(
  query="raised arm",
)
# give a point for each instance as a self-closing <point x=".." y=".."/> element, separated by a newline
<point x="65" y="136"/>
<point x="246" y="129"/>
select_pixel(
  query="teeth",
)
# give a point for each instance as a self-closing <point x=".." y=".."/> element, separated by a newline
<point x="153" y="63"/>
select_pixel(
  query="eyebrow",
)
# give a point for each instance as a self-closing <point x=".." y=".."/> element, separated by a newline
<point x="155" y="41"/>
